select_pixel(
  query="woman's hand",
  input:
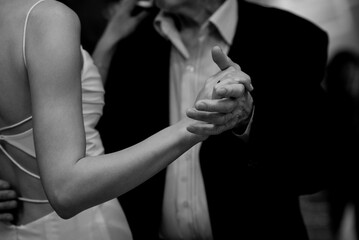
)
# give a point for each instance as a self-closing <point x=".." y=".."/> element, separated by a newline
<point x="8" y="202"/>
<point x="121" y="22"/>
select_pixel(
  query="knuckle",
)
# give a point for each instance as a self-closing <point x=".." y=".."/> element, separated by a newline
<point x="238" y="90"/>
<point x="245" y="78"/>
<point x="217" y="87"/>
<point x="227" y="108"/>
<point x="232" y="69"/>
<point x="228" y="117"/>
<point x="222" y="119"/>
<point x="241" y="88"/>
<point x="237" y="113"/>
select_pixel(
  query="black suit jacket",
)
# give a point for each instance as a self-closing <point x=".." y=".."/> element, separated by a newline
<point x="252" y="187"/>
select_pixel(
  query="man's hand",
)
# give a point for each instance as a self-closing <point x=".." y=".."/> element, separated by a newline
<point x="121" y="21"/>
<point x="121" y="24"/>
<point x="225" y="101"/>
<point x="8" y="202"/>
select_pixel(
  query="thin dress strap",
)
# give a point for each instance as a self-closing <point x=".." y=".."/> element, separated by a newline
<point x="16" y="124"/>
<point x="24" y="33"/>
<point x="18" y="165"/>
<point x="24" y="199"/>
<point x="8" y="155"/>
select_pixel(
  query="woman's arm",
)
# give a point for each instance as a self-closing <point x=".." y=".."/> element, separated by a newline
<point x="72" y="181"/>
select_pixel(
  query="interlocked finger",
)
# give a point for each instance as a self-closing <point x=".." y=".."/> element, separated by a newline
<point x="224" y="105"/>
<point x="201" y="128"/>
<point x="212" y="117"/>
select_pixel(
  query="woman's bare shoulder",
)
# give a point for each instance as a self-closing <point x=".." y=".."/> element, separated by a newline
<point x="54" y="14"/>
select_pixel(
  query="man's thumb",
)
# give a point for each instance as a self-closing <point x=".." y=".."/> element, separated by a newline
<point x="221" y="59"/>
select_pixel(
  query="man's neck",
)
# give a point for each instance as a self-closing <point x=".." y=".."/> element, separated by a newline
<point x="190" y="20"/>
<point x="194" y="16"/>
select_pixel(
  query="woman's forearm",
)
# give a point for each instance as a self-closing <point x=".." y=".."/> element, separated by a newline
<point x="94" y="180"/>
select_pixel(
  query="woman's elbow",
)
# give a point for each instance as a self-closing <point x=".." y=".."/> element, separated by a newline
<point x="63" y="204"/>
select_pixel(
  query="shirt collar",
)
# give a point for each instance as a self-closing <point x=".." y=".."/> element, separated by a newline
<point x="165" y="26"/>
<point x="224" y="20"/>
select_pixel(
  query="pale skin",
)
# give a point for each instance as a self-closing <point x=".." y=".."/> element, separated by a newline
<point x="52" y="95"/>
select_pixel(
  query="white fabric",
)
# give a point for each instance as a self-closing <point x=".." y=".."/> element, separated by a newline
<point x="103" y="222"/>
<point x="92" y="104"/>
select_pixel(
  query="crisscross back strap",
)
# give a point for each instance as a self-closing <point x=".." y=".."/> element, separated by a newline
<point x="16" y="124"/>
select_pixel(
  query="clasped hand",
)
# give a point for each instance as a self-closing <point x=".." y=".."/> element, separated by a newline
<point x="225" y="101"/>
<point x="8" y="202"/>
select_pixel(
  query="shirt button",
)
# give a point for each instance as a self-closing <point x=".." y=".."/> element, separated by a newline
<point x="190" y="68"/>
<point x="202" y="38"/>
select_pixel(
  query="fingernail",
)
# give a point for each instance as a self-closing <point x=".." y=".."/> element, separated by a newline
<point x="200" y="105"/>
<point x="251" y="88"/>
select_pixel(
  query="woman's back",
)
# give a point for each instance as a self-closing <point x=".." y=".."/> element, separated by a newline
<point x="15" y="104"/>
<point x="17" y="156"/>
